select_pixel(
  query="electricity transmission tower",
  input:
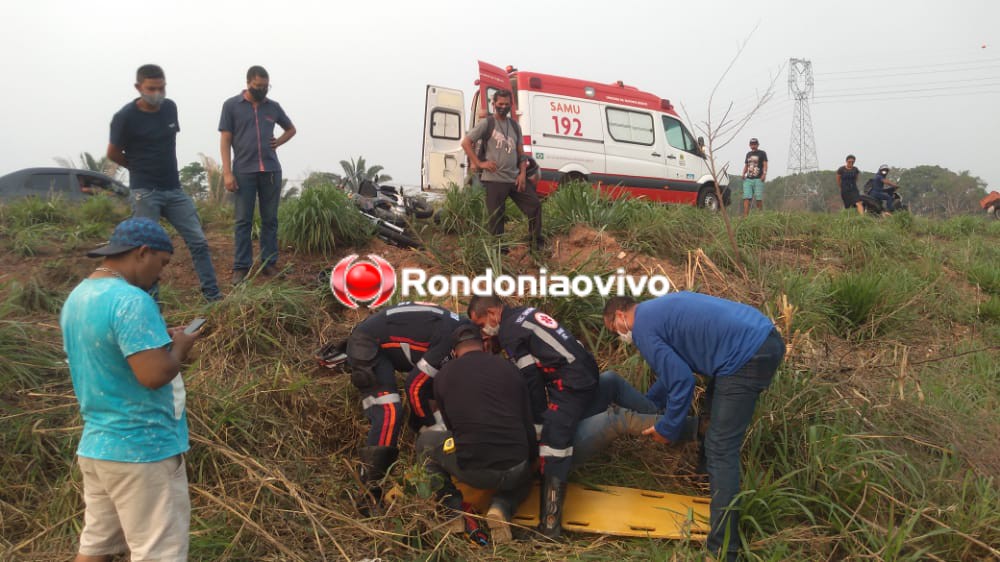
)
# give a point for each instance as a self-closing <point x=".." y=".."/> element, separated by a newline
<point x="802" y="147"/>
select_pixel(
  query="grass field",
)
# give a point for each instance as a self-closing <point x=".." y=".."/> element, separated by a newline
<point x="879" y="438"/>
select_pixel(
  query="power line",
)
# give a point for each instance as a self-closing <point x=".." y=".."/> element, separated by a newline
<point x="909" y="91"/>
<point x="942" y="71"/>
<point x="862" y="88"/>
<point x="869" y="70"/>
<point x="943" y="95"/>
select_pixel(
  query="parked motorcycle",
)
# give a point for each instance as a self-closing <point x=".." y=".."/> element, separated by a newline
<point x="392" y="212"/>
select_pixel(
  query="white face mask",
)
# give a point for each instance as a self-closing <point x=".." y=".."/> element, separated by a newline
<point x="627" y="335"/>
<point x="491" y="330"/>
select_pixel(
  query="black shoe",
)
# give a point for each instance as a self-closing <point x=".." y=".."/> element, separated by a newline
<point x="375" y="463"/>
<point x="550" y="506"/>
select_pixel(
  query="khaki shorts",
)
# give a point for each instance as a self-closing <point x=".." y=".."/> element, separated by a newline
<point x="140" y="507"/>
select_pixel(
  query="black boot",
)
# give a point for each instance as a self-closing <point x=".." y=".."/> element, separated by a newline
<point x="551" y="506"/>
<point x="375" y="462"/>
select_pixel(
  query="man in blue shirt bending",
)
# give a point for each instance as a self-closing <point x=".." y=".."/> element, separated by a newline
<point x="685" y="333"/>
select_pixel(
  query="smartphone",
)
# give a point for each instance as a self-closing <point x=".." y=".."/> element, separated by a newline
<point x="194" y="326"/>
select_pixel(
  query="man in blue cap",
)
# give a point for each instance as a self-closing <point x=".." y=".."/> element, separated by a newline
<point x="125" y="365"/>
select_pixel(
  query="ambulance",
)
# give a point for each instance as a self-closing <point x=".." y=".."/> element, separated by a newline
<point x="614" y="136"/>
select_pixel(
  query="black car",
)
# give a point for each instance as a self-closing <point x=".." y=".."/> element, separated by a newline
<point x="68" y="183"/>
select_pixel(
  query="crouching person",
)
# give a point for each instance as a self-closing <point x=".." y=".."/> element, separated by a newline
<point x="408" y="337"/>
<point x="490" y="438"/>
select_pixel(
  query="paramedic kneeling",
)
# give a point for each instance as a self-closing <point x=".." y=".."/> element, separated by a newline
<point x="682" y="333"/>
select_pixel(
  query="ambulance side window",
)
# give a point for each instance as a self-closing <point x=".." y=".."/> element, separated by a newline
<point x="678" y="137"/>
<point x="634" y="127"/>
<point x="445" y="125"/>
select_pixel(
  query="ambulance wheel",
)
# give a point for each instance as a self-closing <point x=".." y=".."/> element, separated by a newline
<point x="571" y="177"/>
<point x="708" y="199"/>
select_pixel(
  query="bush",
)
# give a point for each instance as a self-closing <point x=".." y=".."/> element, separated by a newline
<point x="464" y="210"/>
<point x="102" y="210"/>
<point x="321" y="220"/>
<point x="31" y="211"/>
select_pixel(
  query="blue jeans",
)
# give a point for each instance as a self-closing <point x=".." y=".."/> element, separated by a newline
<point x="265" y="187"/>
<point x="618" y="409"/>
<point x="733" y="403"/>
<point x="884" y="196"/>
<point x="178" y="208"/>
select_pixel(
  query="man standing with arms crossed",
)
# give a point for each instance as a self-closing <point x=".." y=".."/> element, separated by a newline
<point x="247" y="131"/>
<point x="125" y="366"/>
<point x="754" y="174"/>
<point x="504" y="168"/>
<point x="144" y="141"/>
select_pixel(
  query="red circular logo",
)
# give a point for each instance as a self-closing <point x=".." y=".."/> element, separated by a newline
<point x="371" y="281"/>
<point x="546" y="320"/>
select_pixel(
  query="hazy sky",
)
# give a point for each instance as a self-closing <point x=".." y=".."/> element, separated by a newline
<point x="902" y="82"/>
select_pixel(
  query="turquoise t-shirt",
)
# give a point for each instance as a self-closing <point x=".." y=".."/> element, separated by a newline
<point x="103" y="322"/>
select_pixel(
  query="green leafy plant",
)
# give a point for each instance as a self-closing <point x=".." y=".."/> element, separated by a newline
<point x="322" y="220"/>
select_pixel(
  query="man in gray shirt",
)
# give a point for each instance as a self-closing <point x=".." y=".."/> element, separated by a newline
<point x="503" y="164"/>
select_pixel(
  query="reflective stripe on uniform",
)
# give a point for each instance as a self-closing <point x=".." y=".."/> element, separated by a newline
<point x="546" y="451"/>
<point x="526" y="361"/>
<point x="413" y="308"/>
<point x="551" y="341"/>
<point x="405" y="348"/>
<point x="538" y="431"/>
<point x="392" y="398"/>
<point x="426" y="368"/>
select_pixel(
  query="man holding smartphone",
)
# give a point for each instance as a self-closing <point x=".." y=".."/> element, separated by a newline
<point x="125" y="365"/>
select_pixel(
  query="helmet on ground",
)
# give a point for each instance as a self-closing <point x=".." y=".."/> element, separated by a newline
<point x="332" y="355"/>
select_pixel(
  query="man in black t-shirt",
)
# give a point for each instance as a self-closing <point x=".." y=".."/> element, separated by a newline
<point x="490" y="442"/>
<point x="847" y="181"/>
<point x="754" y="174"/>
<point x="144" y="141"/>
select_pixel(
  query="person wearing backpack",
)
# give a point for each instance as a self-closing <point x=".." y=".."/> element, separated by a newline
<point x="502" y="162"/>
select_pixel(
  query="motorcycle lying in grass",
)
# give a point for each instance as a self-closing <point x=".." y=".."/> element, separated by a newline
<point x="392" y="212"/>
<point x="875" y="206"/>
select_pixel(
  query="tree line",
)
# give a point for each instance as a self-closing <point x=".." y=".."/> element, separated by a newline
<point x="928" y="190"/>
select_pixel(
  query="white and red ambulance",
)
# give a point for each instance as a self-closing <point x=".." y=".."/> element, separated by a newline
<point x="612" y="135"/>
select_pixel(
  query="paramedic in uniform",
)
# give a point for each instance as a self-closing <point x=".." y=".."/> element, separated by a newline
<point x="503" y="165"/>
<point x="552" y="361"/>
<point x="410" y="337"/>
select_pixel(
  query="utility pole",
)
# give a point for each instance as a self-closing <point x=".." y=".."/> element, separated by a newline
<point x="802" y="157"/>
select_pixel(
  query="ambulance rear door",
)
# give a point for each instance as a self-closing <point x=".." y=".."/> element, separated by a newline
<point x="443" y="160"/>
